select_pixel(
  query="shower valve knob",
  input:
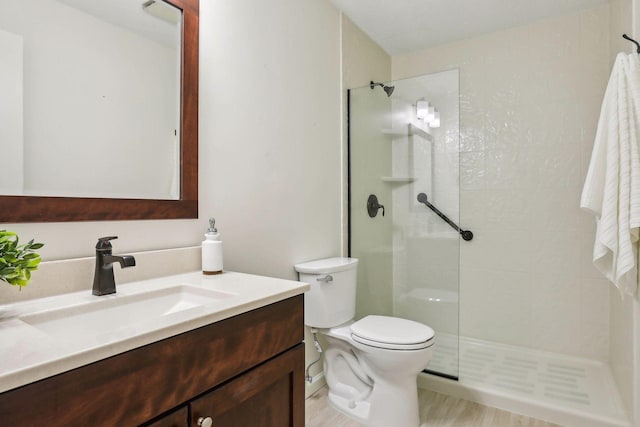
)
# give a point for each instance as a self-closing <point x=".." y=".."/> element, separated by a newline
<point x="373" y="206"/>
<point x="205" y="422"/>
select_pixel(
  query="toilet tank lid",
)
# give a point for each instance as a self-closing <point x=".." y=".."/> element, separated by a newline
<point x="327" y="265"/>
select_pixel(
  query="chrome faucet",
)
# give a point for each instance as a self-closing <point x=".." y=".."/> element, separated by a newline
<point x="103" y="280"/>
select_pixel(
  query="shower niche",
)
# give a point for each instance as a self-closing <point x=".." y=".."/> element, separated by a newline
<point x="403" y="141"/>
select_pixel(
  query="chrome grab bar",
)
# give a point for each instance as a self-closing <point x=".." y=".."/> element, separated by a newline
<point x="327" y="279"/>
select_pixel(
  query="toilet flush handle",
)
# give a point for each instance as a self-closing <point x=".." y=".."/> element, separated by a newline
<point x="327" y="279"/>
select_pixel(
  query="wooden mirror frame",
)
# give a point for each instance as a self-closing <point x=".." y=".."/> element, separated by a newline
<point x="14" y="209"/>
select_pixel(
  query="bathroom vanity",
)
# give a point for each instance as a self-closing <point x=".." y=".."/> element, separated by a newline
<point x="236" y="361"/>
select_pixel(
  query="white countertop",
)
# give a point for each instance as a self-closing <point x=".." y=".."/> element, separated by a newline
<point x="28" y="354"/>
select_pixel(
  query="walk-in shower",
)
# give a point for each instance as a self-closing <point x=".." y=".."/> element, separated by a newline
<point x="482" y="238"/>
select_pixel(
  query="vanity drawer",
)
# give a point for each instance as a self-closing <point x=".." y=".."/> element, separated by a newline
<point x="136" y="386"/>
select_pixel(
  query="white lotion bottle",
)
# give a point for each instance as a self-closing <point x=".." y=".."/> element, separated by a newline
<point x="212" y="250"/>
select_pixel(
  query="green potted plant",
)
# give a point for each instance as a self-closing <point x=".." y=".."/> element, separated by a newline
<point x="17" y="261"/>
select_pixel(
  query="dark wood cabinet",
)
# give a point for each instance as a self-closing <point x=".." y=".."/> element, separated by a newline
<point x="266" y="396"/>
<point x="176" y="418"/>
<point x="245" y="370"/>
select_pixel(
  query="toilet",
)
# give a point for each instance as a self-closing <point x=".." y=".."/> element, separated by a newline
<point x="371" y="365"/>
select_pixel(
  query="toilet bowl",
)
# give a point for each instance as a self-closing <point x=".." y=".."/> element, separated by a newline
<point x="384" y="392"/>
<point x="371" y="365"/>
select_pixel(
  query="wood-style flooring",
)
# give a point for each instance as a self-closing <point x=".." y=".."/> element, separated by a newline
<point x="436" y="410"/>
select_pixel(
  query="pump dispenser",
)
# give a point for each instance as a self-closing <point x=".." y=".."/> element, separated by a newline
<point x="212" y="250"/>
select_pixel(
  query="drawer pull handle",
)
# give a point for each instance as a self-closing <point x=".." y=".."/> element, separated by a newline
<point x="205" y="422"/>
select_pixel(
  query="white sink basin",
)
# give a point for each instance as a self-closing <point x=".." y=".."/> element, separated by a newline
<point x="116" y="316"/>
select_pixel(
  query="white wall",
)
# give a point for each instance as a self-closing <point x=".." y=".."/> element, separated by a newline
<point x="270" y="131"/>
<point x="530" y="97"/>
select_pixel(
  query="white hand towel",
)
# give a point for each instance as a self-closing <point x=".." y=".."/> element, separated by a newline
<point x="612" y="187"/>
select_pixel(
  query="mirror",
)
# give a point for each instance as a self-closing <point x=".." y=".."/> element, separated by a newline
<point x="98" y="106"/>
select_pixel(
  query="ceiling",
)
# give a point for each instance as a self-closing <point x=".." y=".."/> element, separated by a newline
<point x="401" y="26"/>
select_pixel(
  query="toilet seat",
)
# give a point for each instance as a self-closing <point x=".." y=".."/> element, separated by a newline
<point x="392" y="333"/>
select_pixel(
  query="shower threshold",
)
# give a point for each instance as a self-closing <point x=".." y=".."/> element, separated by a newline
<point x="566" y="390"/>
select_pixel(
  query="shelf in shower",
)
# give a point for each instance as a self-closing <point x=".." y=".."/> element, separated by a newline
<point x="408" y="130"/>
<point x="398" y="179"/>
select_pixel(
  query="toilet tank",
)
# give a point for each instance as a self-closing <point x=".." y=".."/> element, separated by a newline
<point x="331" y="300"/>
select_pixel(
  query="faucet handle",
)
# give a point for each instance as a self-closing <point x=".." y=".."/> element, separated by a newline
<point x="103" y="242"/>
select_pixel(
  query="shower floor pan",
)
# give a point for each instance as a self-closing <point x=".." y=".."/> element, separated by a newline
<point x="566" y="390"/>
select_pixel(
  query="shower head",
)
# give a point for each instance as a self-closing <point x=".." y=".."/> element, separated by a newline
<point x="387" y="89"/>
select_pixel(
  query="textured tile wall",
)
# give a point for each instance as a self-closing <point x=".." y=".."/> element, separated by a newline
<point x="529" y="102"/>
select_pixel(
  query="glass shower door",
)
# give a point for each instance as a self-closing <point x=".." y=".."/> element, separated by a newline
<point x="401" y="146"/>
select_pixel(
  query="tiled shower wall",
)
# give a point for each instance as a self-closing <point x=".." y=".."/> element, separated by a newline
<point x="529" y="102"/>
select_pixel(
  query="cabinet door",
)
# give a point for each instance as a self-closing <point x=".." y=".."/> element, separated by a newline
<point x="270" y="395"/>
